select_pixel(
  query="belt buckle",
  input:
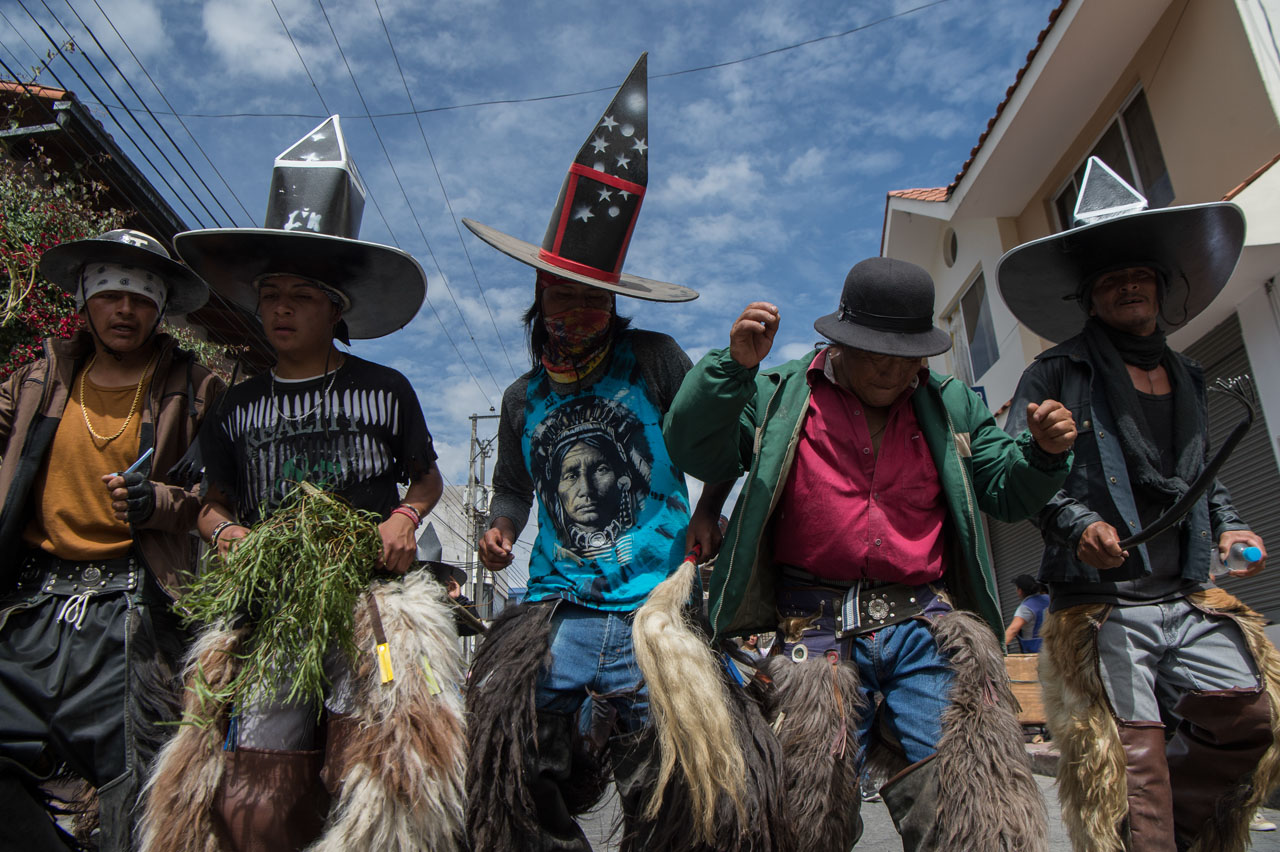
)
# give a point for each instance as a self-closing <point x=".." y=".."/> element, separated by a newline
<point x="91" y="574"/>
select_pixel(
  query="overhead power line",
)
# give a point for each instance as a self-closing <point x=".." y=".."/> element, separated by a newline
<point x="580" y="92"/>
<point x="413" y="213"/>
<point x="439" y="180"/>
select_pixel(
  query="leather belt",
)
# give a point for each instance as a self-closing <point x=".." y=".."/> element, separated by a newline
<point x="869" y="606"/>
<point x="65" y="577"/>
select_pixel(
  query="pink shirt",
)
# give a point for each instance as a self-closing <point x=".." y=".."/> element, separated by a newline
<point x="847" y="513"/>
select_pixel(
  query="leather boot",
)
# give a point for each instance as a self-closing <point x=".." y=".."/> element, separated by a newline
<point x="1218" y="744"/>
<point x="270" y="801"/>
<point x="912" y="799"/>
<point x="1147" y="778"/>
<point x="635" y="771"/>
<point x="549" y="771"/>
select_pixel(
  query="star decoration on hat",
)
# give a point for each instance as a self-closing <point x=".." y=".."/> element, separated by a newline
<point x="608" y="123"/>
<point x="599" y="144"/>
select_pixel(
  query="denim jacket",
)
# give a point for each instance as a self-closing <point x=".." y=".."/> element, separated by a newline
<point x="1098" y="487"/>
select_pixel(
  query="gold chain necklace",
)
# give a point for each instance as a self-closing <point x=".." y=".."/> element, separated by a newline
<point x="137" y="395"/>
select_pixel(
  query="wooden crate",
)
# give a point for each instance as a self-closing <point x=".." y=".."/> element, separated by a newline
<point x="1024" y="680"/>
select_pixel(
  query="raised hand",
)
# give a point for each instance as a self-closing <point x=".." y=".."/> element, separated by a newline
<point x="752" y="334"/>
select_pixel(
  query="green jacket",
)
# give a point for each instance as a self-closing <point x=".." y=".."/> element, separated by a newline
<point x="727" y="420"/>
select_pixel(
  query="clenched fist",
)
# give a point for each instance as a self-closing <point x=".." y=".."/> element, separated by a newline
<point x="1051" y="425"/>
<point x="752" y="334"/>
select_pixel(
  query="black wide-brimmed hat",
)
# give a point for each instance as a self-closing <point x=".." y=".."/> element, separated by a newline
<point x="599" y="202"/>
<point x="63" y="265"/>
<point x="431" y="554"/>
<point x="313" y="219"/>
<point x="1194" y="248"/>
<point x="887" y="308"/>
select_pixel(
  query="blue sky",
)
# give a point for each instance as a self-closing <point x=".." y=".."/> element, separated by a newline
<point x="767" y="176"/>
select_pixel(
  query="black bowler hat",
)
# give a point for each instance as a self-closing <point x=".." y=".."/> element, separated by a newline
<point x="886" y="308"/>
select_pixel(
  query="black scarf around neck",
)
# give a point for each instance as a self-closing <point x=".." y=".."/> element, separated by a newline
<point x="1111" y="350"/>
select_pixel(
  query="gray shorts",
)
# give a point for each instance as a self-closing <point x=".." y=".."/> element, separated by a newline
<point x="1149" y="656"/>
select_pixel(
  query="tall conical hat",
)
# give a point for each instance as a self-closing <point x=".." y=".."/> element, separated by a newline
<point x="591" y="225"/>
<point x="1194" y="247"/>
<point x="313" y="219"/>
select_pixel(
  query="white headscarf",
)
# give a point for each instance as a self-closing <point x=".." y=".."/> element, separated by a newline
<point x="116" y="277"/>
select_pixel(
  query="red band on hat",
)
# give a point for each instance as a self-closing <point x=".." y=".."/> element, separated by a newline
<point x="580" y="268"/>
<point x="604" y="177"/>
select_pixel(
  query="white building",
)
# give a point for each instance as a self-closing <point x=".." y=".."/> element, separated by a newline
<point x="1182" y="99"/>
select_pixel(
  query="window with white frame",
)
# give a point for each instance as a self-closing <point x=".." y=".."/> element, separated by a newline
<point x="973" y="335"/>
<point x="1130" y="147"/>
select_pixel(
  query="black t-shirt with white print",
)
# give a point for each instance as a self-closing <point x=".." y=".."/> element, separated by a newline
<point x="354" y="433"/>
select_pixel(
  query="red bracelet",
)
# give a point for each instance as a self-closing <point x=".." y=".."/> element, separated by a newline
<point x="410" y="513"/>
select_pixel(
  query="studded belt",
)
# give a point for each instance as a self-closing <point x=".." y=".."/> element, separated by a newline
<point x="64" y="577"/>
<point x="820" y="619"/>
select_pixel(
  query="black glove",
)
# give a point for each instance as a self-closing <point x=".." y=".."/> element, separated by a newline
<point x="141" y="501"/>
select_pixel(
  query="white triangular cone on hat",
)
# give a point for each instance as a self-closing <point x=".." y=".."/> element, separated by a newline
<point x="1105" y="195"/>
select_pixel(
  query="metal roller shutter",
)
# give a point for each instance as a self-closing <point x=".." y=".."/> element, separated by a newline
<point x="1250" y="474"/>
<point x="1015" y="549"/>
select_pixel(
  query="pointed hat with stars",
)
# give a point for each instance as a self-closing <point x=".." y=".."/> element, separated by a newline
<point x="313" y="219"/>
<point x="1194" y="249"/>
<point x="593" y="219"/>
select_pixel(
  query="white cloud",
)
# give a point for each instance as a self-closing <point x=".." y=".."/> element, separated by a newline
<point x="734" y="182"/>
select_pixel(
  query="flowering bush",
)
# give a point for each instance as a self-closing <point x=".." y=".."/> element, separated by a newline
<point x="38" y="210"/>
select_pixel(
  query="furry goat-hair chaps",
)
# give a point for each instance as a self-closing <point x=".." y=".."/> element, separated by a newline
<point x="502" y="726"/>
<point x="688" y="704"/>
<point x="177" y="813"/>
<point x="988" y="798"/>
<point x="815" y="707"/>
<point x="402" y="777"/>
<point x="1092" y="785"/>
<point x="767" y="826"/>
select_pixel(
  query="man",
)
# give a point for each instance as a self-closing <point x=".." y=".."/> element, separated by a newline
<point x="1028" y="618"/>
<point x="1152" y="678"/>
<point x="354" y="428"/>
<point x="557" y="701"/>
<point x="857" y="536"/>
<point x="96" y="532"/>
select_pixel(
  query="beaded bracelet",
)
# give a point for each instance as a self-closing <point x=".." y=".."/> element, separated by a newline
<point x="410" y="513"/>
<point x="217" y="531"/>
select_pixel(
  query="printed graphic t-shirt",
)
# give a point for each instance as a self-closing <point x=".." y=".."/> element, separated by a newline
<point x="355" y="433"/>
<point x="612" y="507"/>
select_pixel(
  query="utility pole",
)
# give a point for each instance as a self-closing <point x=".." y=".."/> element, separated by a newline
<point x="477" y="509"/>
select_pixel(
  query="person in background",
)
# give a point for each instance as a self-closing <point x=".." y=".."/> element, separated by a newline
<point x="1029" y="616"/>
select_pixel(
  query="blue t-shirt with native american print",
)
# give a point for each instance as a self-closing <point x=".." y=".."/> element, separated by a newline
<point x="612" y="508"/>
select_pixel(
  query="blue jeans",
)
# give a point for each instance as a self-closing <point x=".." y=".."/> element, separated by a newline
<point x="592" y="656"/>
<point x="903" y="665"/>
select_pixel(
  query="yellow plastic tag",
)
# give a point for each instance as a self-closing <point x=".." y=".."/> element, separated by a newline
<point x="433" y="685"/>
<point x="383" y="654"/>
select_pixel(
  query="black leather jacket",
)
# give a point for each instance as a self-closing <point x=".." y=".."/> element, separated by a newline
<point x="1098" y="488"/>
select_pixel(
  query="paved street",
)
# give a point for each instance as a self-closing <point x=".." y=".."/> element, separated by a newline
<point x="878" y="833"/>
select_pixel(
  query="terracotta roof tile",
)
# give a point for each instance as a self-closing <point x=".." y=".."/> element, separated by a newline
<point x="31" y="88"/>
<point x="1251" y="178"/>
<point x="936" y="193"/>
